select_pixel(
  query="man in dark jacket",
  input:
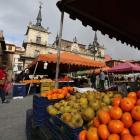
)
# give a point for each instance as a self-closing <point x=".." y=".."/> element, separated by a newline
<point x="93" y="79"/>
<point x="26" y="75"/>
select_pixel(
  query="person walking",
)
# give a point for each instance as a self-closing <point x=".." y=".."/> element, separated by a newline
<point x="112" y="80"/>
<point x="102" y="78"/>
<point x="3" y="75"/>
<point x="93" y="79"/>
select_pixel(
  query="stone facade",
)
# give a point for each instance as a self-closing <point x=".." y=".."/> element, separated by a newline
<point x="37" y="43"/>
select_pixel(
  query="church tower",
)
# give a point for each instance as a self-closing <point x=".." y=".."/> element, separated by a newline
<point x="37" y="40"/>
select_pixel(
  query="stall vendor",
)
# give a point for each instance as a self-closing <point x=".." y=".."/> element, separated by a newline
<point x="26" y="75"/>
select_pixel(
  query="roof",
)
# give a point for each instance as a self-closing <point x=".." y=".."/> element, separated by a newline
<point x="97" y="71"/>
<point x="130" y="61"/>
<point x="121" y="23"/>
<point x="10" y="44"/>
<point x="107" y="57"/>
<point x="72" y="42"/>
<point x="114" y="60"/>
<point x="68" y="58"/>
<point x="124" y="67"/>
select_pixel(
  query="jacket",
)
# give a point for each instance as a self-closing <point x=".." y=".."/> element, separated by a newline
<point x="2" y="75"/>
<point x="93" y="78"/>
<point x="102" y="76"/>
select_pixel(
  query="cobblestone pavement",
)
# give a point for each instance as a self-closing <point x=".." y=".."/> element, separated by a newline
<point x="13" y="118"/>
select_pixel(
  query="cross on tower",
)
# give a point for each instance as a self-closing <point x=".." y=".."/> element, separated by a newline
<point x="40" y="4"/>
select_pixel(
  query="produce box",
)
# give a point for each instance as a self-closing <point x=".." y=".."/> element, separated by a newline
<point x="50" y="120"/>
<point x="45" y="86"/>
<point x="64" y="130"/>
<point x="29" y="116"/>
<point x="19" y="89"/>
<point x="45" y="133"/>
<point x="39" y="104"/>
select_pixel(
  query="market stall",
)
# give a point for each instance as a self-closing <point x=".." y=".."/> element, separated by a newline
<point x="68" y="63"/>
<point x="124" y="67"/>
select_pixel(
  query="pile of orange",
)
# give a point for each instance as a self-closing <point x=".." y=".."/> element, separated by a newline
<point x="121" y="123"/>
<point x="29" y="81"/>
<point x="58" y="93"/>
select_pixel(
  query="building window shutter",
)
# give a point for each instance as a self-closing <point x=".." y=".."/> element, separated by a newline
<point x="37" y="53"/>
<point x="38" y="40"/>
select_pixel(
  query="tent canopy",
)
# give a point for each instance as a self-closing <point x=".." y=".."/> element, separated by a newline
<point x="97" y="71"/>
<point x="80" y="73"/>
<point x="77" y="62"/>
<point x="117" y="18"/>
<point x="124" y="67"/>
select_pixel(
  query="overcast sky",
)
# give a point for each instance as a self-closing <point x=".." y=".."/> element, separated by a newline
<point x="15" y="16"/>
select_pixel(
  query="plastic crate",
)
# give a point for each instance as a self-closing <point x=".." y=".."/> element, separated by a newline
<point x="38" y="116"/>
<point x="69" y="132"/>
<point x="45" y="86"/>
<point x="43" y="91"/>
<point x="50" y="120"/>
<point x="19" y="86"/>
<point x="29" y="117"/>
<point x="56" y="136"/>
<point x="39" y="109"/>
<point x="19" y="93"/>
<point x="39" y="122"/>
<point x="39" y="100"/>
<point x="45" y="133"/>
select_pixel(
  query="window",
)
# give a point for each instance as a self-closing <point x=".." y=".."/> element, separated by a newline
<point x="37" y="53"/>
<point x="38" y="40"/>
<point x="49" y="53"/>
<point x="99" y="54"/>
<point x="10" y="48"/>
<point x="110" y="64"/>
<point x="20" y="68"/>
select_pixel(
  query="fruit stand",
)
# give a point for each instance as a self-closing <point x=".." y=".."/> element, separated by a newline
<point x="89" y="115"/>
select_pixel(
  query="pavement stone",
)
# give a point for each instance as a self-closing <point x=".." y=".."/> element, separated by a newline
<point x="13" y="118"/>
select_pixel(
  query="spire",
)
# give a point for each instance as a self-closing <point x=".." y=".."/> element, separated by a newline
<point x="39" y="17"/>
<point x="95" y="38"/>
<point x="75" y="40"/>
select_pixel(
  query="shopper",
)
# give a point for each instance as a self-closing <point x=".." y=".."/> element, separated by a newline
<point x="102" y="78"/>
<point x="93" y="79"/>
<point x="3" y="75"/>
<point x="112" y="80"/>
<point x="26" y="75"/>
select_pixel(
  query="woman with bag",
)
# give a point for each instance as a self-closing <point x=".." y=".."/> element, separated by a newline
<point x="3" y="79"/>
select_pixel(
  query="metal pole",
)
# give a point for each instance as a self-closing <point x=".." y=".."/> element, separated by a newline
<point x="32" y="78"/>
<point x="59" y="47"/>
<point x="68" y="73"/>
<point x="108" y="77"/>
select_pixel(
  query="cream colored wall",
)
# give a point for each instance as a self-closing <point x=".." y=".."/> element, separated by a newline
<point x="32" y="34"/>
<point x="16" y="59"/>
<point x="10" y="75"/>
<point x="7" y="48"/>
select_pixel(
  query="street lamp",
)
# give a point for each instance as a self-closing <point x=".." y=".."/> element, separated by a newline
<point x="93" y="50"/>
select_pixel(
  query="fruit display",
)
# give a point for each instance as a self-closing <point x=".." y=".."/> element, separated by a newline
<point x="45" y="80"/>
<point x="29" y="81"/>
<point x="80" y="109"/>
<point x="64" y="79"/>
<point x="58" y="93"/>
<point x="121" y="122"/>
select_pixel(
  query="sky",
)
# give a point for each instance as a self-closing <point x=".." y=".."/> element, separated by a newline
<point x="15" y="16"/>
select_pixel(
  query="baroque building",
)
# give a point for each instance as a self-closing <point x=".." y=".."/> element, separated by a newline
<point x="37" y="43"/>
